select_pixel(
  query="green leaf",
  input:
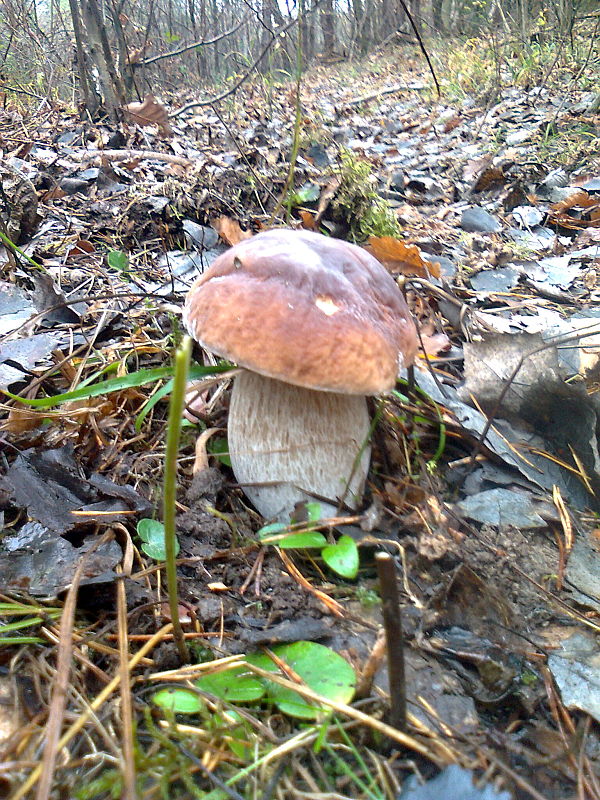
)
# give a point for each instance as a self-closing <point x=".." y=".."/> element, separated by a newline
<point x="148" y="529"/>
<point x="180" y="701"/>
<point x="309" y="512"/>
<point x="288" y="541"/>
<point x="133" y="380"/>
<point x="301" y="541"/>
<point x="268" y="530"/>
<point x="5" y="641"/>
<point x="158" y="395"/>
<point x="218" y="446"/>
<point x="276" y="533"/>
<point x="309" y="193"/>
<point x="235" y="685"/>
<point x="321" y="669"/>
<point x="117" y="259"/>
<point x="342" y="557"/>
<point x="152" y="534"/>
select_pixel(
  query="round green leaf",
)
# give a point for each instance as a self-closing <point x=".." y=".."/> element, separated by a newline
<point x="219" y="447"/>
<point x="234" y="685"/>
<point x="277" y="534"/>
<point x="270" y="530"/>
<point x="301" y="541"/>
<point x="150" y="530"/>
<point x="152" y="534"/>
<point x="154" y="550"/>
<point x="321" y="669"/>
<point x="117" y="259"/>
<point x="342" y="557"/>
<point x="180" y="701"/>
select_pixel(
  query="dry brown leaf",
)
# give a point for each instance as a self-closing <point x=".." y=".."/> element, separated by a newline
<point x="81" y="247"/>
<point x="56" y="193"/>
<point x="326" y="196"/>
<point x="581" y="199"/>
<point x="21" y="420"/>
<point x="491" y="176"/>
<point x="308" y="219"/>
<point x="452" y="123"/>
<point x="401" y="258"/>
<point x="585" y="211"/>
<point x="229" y="230"/>
<point x="435" y="343"/>
<point x="150" y="112"/>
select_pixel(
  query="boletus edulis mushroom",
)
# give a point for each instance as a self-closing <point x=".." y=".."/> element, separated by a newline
<point x="318" y="324"/>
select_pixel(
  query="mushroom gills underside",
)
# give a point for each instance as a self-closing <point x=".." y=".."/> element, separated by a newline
<point x="296" y="439"/>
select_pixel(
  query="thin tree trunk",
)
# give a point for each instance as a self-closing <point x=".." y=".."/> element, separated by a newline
<point x="90" y="97"/>
<point x="328" y="28"/>
<point x="110" y="81"/>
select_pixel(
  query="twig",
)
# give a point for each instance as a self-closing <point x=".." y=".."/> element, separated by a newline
<point x="129" y="782"/>
<point x="201" y="43"/>
<point x="276" y="34"/>
<point x="122" y="155"/>
<point x="23" y="790"/>
<point x="392" y="620"/>
<point x="61" y="684"/>
<point x="365" y="98"/>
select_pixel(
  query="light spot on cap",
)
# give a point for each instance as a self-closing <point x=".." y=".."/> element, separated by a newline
<point x="327" y="305"/>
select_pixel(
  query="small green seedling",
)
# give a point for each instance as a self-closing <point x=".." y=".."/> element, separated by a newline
<point x="341" y="557"/>
<point x="308" y="193"/>
<point x="321" y="669"/>
<point x="219" y="447"/>
<point x="118" y="260"/>
<point x="178" y="701"/>
<point x="152" y="534"/>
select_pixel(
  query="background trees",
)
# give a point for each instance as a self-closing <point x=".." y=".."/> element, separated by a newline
<point x="114" y="51"/>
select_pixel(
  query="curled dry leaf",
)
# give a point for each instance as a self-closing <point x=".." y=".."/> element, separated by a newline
<point x="579" y="210"/>
<point x="150" y="112"/>
<point x="435" y="343"/>
<point x="229" y="230"/>
<point x="401" y="258"/>
<point x="308" y="219"/>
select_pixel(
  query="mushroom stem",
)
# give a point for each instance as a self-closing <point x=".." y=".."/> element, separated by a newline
<point x="296" y="439"/>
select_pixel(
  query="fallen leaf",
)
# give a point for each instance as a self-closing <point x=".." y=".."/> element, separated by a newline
<point x="401" y="258"/>
<point x="229" y="230"/>
<point x="149" y="112"/>
<point x="308" y="219"/>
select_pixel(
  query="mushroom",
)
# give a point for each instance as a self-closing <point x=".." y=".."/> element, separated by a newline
<point x="318" y="324"/>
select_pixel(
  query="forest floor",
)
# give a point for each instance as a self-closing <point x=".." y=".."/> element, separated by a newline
<point x="483" y="204"/>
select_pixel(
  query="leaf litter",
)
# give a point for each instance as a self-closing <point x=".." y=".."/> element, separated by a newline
<point x="498" y="257"/>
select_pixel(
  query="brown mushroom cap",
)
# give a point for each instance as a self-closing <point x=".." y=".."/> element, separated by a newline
<point x="305" y="309"/>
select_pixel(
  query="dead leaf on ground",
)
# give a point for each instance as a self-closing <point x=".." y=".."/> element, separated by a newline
<point x="401" y="258"/>
<point x="327" y="195"/>
<point x="435" y="343"/>
<point x="584" y="211"/>
<point x="308" y="219"/>
<point x="230" y="231"/>
<point x="149" y="112"/>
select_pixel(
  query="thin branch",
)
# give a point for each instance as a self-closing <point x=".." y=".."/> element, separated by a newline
<point x="201" y="43"/>
<point x="277" y="34"/>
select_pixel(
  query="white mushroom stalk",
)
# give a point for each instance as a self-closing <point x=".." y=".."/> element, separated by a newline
<point x="318" y="324"/>
<point x="287" y="444"/>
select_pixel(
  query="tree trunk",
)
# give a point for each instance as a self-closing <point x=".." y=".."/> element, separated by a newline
<point x="328" y="28"/>
<point x="437" y="7"/>
<point x="111" y="83"/>
<point x="91" y="98"/>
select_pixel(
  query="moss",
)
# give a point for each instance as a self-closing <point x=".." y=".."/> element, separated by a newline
<point x="358" y="204"/>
